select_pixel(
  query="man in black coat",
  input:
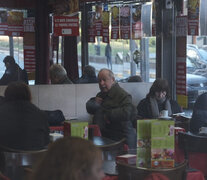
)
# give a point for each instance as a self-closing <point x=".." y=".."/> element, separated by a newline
<point x="13" y="72"/>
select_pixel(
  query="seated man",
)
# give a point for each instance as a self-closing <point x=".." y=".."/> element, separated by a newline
<point x="23" y="126"/>
<point x="113" y="110"/>
<point x="58" y="75"/>
<point x="13" y="72"/>
<point x="89" y="75"/>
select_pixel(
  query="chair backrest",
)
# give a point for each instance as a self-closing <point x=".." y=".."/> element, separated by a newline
<point x="14" y="161"/>
<point x="192" y="143"/>
<point x="195" y="150"/>
<point x="110" y="151"/>
<point x="130" y="172"/>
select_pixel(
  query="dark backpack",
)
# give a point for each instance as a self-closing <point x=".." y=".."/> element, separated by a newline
<point x="56" y="117"/>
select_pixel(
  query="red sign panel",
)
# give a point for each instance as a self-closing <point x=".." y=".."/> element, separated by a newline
<point x="29" y="24"/>
<point x="115" y="22"/>
<point x="181" y="78"/>
<point x="66" y="26"/>
<point x="3" y="23"/>
<point x="15" y="23"/>
<point x="193" y="17"/>
<point x="125" y="22"/>
<point x="29" y="58"/>
<point x="181" y="25"/>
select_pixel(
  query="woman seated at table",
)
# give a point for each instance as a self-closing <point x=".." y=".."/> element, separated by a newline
<point x="23" y="126"/>
<point x="157" y="99"/>
<point x="199" y="117"/>
<point x="70" y="158"/>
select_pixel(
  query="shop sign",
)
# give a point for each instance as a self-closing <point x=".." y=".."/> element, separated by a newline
<point x="91" y="27"/>
<point x="136" y="22"/>
<point x="181" y="82"/>
<point x="15" y="23"/>
<point x="3" y="23"/>
<point x="29" y="58"/>
<point x="66" y="26"/>
<point x="98" y="21"/>
<point x="29" y="24"/>
<point x="115" y="22"/>
<point x="181" y="26"/>
<point x="193" y="17"/>
<point x="105" y="20"/>
<point x="125" y="22"/>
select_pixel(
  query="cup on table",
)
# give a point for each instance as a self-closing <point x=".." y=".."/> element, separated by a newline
<point x="203" y="130"/>
<point x="164" y="113"/>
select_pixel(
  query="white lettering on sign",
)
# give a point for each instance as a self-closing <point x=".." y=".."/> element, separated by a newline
<point x="66" y="31"/>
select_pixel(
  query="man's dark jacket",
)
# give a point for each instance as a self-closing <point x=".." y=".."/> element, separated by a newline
<point x="116" y="111"/>
<point x="23" y="126"/>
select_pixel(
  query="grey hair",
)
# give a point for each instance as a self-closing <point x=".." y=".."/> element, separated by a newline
<point x="57" y="71"/>
<point x="111" y="74"/>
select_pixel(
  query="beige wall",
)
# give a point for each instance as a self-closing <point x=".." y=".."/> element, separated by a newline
<point x="71" y="98"/>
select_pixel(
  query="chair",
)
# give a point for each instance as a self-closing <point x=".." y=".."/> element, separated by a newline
<point x="14" y="161"/>
<point x="130" y="172"/>
<point x="195" y="150"/>
<point x="110" y="151"/>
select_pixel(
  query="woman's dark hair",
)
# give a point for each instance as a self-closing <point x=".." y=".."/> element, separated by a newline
<point x="159" y="85"/>
<point x="17" y="91"/>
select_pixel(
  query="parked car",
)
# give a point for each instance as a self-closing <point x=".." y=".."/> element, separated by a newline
<point x="196" y="85"/>
<point x="193" y="67"/>
<point x="198" y="55"/>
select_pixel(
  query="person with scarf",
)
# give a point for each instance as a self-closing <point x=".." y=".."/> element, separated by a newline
<point x="157" y="100"/>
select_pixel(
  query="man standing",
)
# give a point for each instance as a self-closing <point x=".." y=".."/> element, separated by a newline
<point x="113" y="109"/>
<point x="108" y="55"/>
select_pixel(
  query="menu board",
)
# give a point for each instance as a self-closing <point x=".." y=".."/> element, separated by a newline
<point x="155" y="143"/>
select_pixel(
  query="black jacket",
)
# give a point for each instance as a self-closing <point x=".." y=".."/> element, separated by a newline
<point x="199" y="117"/>
<point x="14" y="73"/>
<point x="145" y="111"/>
<point x="23" y="126"/>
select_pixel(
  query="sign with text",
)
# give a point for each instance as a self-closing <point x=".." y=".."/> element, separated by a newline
<point x="181" y="81"/>
<point x="136" y="22"/>
<point x="125" y="22"/>
<point x="29" y="58"/>
<point x="29" y="24"/>
<point x="15" y="23"/>
<point x="3" y="23"/>
<point x="98" y="21"/>
<point x="66" y="26"/>
<point x="91" y="26"/>
<point x="193" y="17"/>
<point x="181" y="25"/>
<point x="105" y="20"/>
<point x="115" y="22"/>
